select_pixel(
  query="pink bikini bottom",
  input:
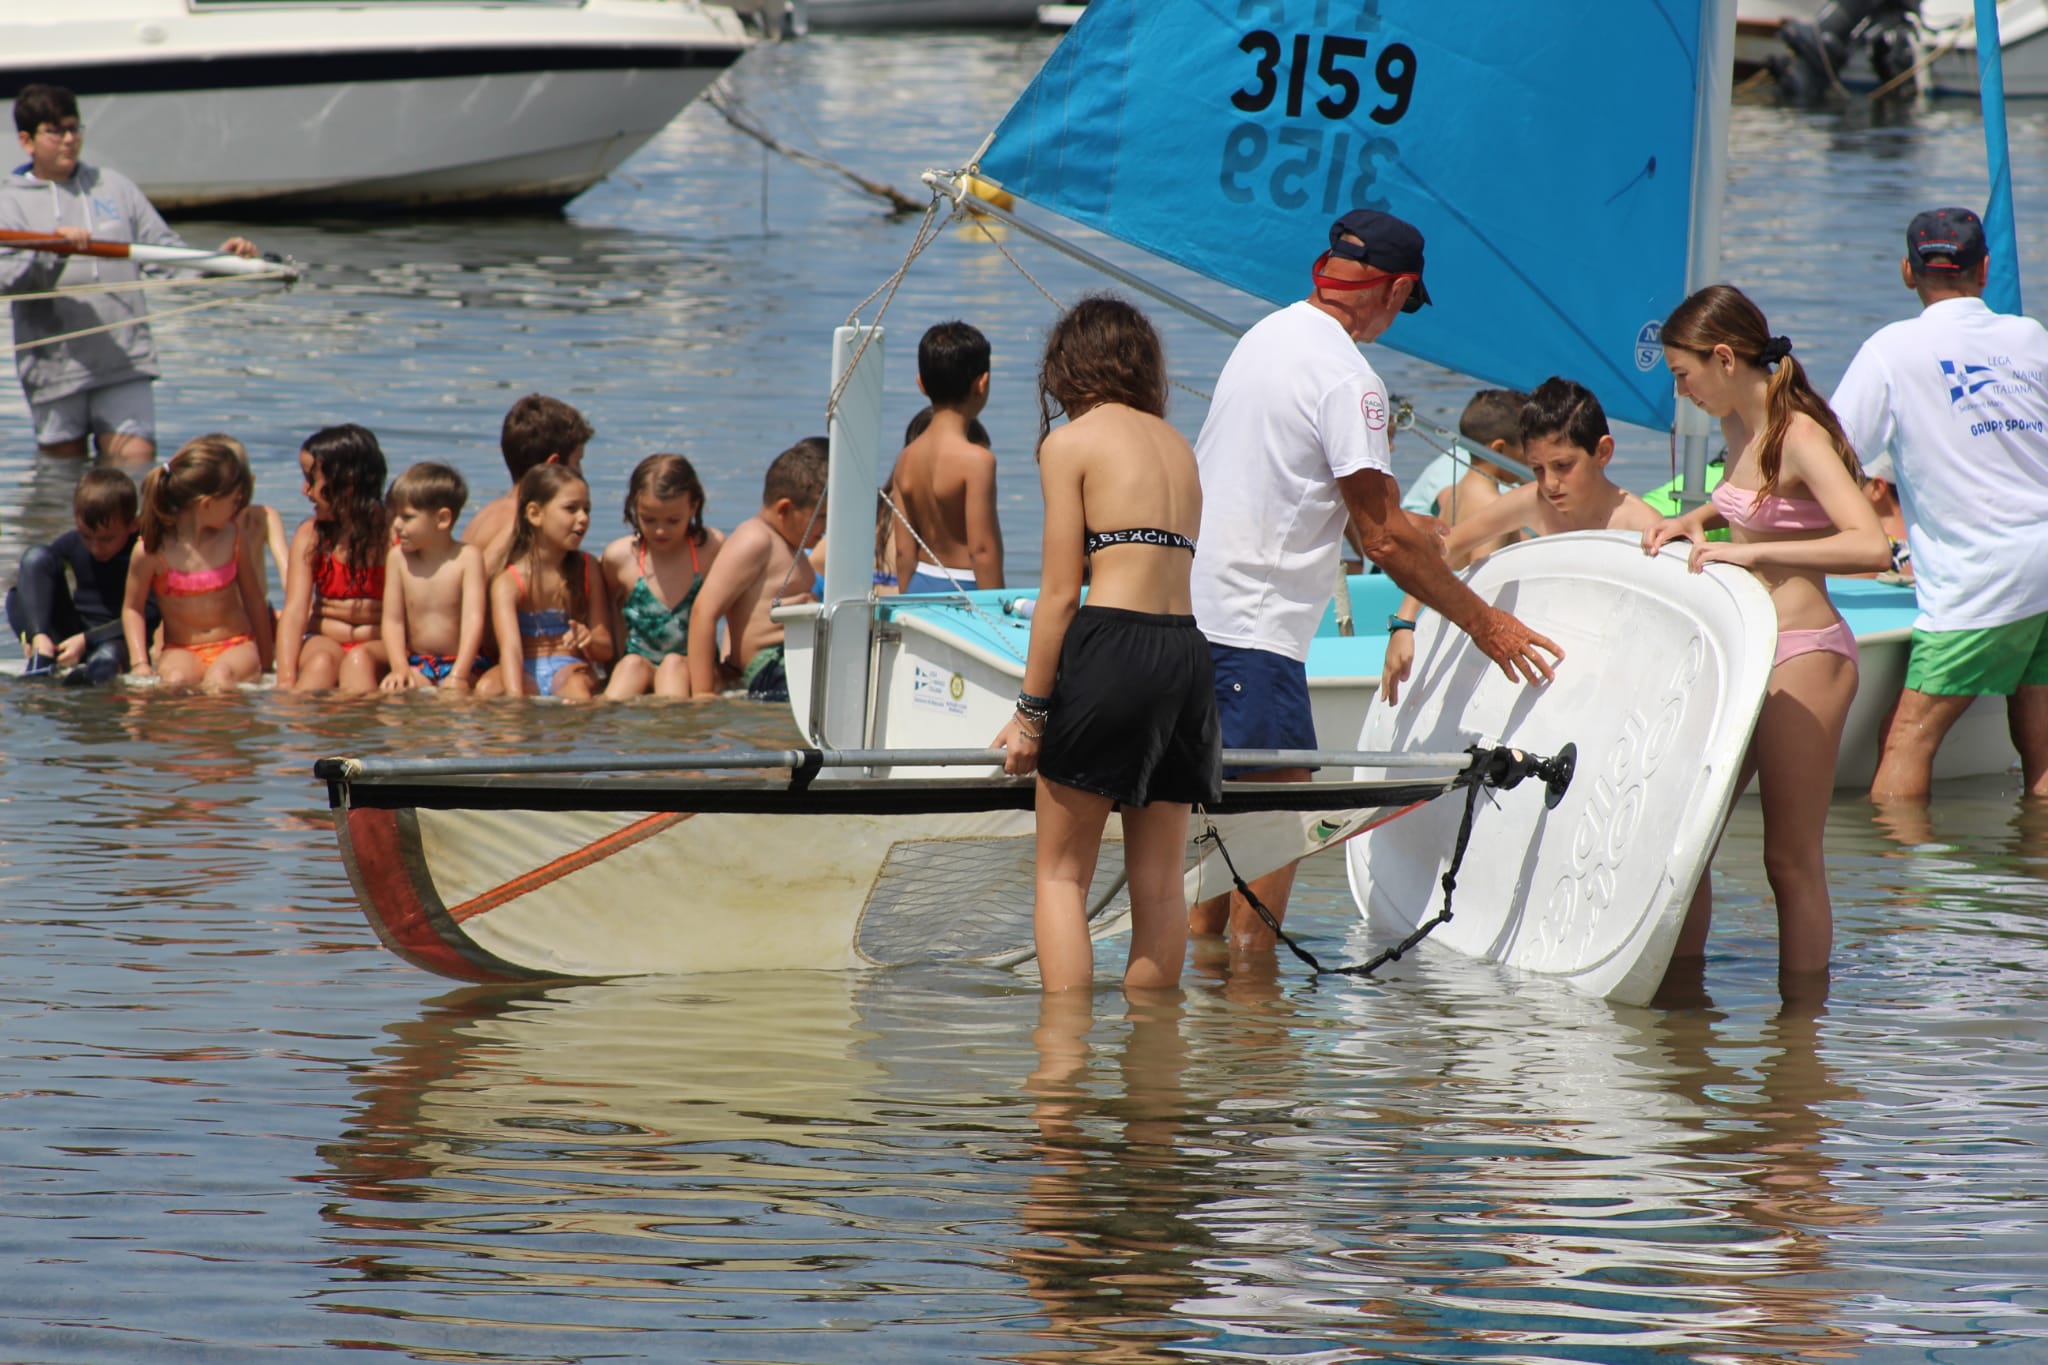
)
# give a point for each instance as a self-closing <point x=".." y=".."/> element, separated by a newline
<point x="1834" y="639"/>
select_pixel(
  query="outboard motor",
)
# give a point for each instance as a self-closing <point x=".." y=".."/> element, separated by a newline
<point x="1821" y="49"/>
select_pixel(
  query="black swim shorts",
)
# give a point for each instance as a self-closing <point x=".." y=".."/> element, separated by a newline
<point x="1134" y="710"/>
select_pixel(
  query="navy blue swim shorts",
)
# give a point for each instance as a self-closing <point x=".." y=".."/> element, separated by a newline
<point x="1261" y="700"/>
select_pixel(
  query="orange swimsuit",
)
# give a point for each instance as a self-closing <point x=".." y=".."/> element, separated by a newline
<point x="197" y="583"/>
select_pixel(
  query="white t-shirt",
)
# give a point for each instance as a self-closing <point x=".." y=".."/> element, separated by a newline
<point x="1959" y="398"/>
<point x="1296" y="408"/>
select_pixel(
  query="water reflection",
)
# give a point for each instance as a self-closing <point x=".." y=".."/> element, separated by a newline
<point x="1115" y="1253"/>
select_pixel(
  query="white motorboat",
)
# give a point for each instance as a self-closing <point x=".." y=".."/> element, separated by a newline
<point x="837" y="14"/>
<point x="370" y="104"/>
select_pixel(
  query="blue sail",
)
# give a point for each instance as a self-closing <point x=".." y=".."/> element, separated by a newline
<point x="1544" y="147"/>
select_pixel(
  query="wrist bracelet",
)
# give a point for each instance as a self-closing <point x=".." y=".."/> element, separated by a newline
<point x="1398" y="622"/>
<point x="1028" y="702"/>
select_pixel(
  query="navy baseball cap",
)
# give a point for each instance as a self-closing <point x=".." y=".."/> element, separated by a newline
<point x="1956" y="234"/>
<point x="1384" y="243"/>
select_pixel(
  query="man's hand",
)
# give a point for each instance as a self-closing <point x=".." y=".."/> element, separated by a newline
<point x="238" y="246"/>
<point x="1515" y="647"/>
<point x="76" y="236"/>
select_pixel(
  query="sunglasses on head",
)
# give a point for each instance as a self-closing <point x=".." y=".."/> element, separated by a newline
<point x="1335" y="285"/>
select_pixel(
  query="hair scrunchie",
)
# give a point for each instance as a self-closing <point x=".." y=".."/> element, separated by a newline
<point x="1775" y="350"/>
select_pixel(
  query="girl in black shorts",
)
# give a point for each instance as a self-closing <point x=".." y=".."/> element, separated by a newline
<point x="1118" y="709"/>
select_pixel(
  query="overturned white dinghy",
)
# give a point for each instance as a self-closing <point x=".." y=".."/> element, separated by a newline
<point x="1664" y="674"/>
<point x="625" y="865"/>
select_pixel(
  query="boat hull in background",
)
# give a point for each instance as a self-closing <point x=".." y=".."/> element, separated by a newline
<point x="434" y="105"/>
<point x="850" y="14"/>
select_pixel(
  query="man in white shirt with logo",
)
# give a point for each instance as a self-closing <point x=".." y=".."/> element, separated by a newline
<point x="1296" y="436"/>
<point x="1959" y="398"/>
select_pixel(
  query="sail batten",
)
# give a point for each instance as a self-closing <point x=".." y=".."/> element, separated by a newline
<point x="1546" y="152"/>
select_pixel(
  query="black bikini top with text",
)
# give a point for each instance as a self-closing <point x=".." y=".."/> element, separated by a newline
<point x="1091" y="541"/>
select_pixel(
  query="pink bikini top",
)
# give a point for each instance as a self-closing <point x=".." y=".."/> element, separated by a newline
<point x="197" y="582"/>
<point x="1747" y="509"/>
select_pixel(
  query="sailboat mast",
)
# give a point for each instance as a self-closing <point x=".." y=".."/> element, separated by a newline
<point x="1709" y="176"/>
<point x="2002" y="290"/>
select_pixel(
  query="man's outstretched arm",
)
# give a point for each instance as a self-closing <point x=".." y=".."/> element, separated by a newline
<point x="1404" y="552"/>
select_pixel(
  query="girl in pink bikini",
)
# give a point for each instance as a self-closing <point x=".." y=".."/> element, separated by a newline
<point x="207" y="575"/>
<point x="332" y="625"/>
<point x="1796" y="513"/>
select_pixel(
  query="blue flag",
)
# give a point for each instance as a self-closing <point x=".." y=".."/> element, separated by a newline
<point x="1544" y="148"/>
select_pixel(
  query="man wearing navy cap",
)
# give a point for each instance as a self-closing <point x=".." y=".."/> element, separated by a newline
<point x="1298" y="436"/>
<point x="1958" y="397"/>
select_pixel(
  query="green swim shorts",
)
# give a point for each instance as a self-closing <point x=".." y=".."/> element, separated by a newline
<point x="1992" y="661"/>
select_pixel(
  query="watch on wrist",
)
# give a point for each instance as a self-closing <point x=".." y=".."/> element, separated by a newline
<point x="1398" y="622"/>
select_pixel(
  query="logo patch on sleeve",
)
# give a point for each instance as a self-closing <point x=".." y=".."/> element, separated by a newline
<point x="1372" y="405"/>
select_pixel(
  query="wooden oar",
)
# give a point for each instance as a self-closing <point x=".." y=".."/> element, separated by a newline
<point x="184" y="257"/>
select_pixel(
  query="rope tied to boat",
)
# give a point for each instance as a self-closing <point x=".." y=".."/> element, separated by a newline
<point x="1492" y="768"/>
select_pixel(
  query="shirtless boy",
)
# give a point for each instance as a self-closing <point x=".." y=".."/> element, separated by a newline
<point x="1491" y="423"/>
<point x="434" y="592"/>
<point x="1566" y="442"/>
<point x="763" y="563"/>
<point x="537" y="430"/>
<point x="944" y="483"/>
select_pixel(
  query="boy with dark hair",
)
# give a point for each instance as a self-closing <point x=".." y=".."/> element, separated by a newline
<point x="1564" y="436"/>
<point x="96" y="385"/>
<point x="62" y="623"/>
<point x="944" y="484"/>
<point x="537" y="430"/>
<point x="1489" y="426"/>
<point x="435" y="599"/>
<point x="763" y="565"/>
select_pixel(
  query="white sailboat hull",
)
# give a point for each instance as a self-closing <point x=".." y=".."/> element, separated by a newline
<point x="1671" y="673"/>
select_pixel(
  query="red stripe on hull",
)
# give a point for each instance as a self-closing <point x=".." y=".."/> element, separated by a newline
<point x="381" y="860"/>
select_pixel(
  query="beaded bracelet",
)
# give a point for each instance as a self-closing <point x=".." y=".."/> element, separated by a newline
<point x="1027" y="701"/>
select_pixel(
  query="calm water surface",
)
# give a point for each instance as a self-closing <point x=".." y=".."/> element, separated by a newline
<point x="232" y="1127"/>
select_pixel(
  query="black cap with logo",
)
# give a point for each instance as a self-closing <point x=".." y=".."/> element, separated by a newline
<point x="1384" y="242"/>
<point x="1946" y="240"/>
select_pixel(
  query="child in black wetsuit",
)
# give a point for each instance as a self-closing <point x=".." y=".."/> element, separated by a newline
<point x="77" y="621"/>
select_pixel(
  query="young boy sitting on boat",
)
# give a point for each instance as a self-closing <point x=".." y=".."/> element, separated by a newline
<point x="1566" y="443"/>
<point x="944" y="482"/>
<point x="78" y="622"/>
<point x="1491" y="423"/>
<point x="435" y="597"/>
<point x="537" y="430"/>
<point x="764" y="565"/>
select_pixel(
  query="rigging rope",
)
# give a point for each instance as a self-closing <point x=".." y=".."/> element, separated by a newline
<point x="1492" y="768"/>
<point x="154" y="282"/>
<point x="131" y="322"/>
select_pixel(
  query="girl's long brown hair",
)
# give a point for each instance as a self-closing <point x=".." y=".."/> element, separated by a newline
<point x="204" y="467"/>
<point x="541" y="484"/>
<point x="1102" y="350"/>
<point x="351" y="466"/>
<point x="1722" y="315"/>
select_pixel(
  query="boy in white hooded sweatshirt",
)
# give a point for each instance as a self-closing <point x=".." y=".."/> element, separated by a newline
<point x="95" y="385"/>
